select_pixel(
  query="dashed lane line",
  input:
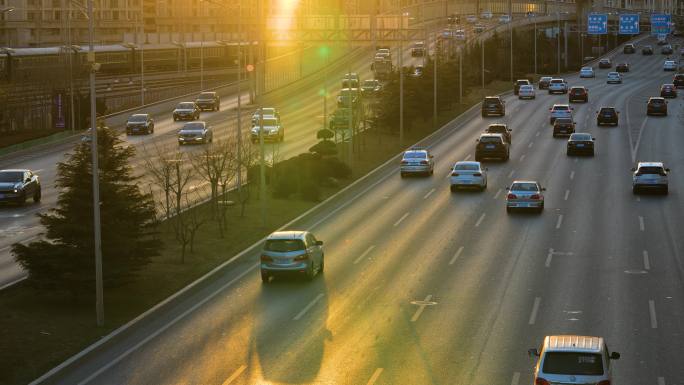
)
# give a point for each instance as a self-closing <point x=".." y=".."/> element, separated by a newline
<point x="549" y="256"/>
<point x="426" y="196"/>
<point x="567" y="193"/>
<point x="647" y="262"/>
<point x="482" y="217"/>
<point x="559" y="222"/>
<point x="530" y="145"/>
<point x="516" y="378"/>
<point x="455" y="257"/>
<point x="535" y="309"/>
<point x="235" y="375"/>
<point x="308" y="307"/>
<point x="652" y="312"/>
<point x="401" y="219"/>
<point x="496" y="196"/>
<point x="510" y="174"/>
<point x="572" y="175"/>
<point x="420" y="309"/>
<point x="375" y="376"/>
<point x="364" y="254"/>
<point x="642" y="227"/>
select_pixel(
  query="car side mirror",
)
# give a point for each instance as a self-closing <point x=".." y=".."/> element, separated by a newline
<point x="614" y="356"/>
<point x="667" y="169"/>
<point x="432" y="156"/>
<point x="592" y="138"/>
<point x="508" y="188"/>
<point x="543" y="188"/>
<point x="319" y="243"/>
<point x="487" y="169"/>
<point x="633" y="169"/>
<point x="533" y="352"/>
<point x="477" y="140"/>
<point x="27" y="180"/>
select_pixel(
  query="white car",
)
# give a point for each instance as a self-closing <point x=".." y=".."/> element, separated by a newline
<point x="468" y="174"/>
<point x="558" y="85"/>
<point x="525" y="194"/>
<point x="560" y="111"/>
<point x="526" y="92"/>
<point x="669" y="65"/>
<point x="570" y="359"/>
<point x="614" y="77"/>
<point x="417" y="161"/>
<point x="504" y="19"/>
<point x="650" y="176"/>
<point x="268" y="112"/>
<point x="587" y="72"/>
<point x="486" y="15"/>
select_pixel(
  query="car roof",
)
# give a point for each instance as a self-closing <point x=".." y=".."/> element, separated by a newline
<point x="656" y="98"/>
<point x="577" y="87"/>
<point x="587" y="68"/>
<point x="146" y="115"/>
<point x="573" y="343"/>
<point x="576" y="134"/>
<point x="607" y="108"/>
<point x="467" y="162"/>
<point x="416" y="151"/>
<point x="650" y="164"/>
<point x="546" y="77"/>
<point x="491" y="134"/>
<point x="524" y="181"/>
<point x="15" y="170"/>
<point x="294" y="234"/>
<point x="560" y="105"/>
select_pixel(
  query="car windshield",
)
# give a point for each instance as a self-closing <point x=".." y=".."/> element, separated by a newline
<point x="581" y="137"/>
<point x="524" y="186"/>
<point x="586" y="68"/>
<point x="415" y="155"/>
<point x="370" y="83"/>
<point x="206" y="95"/>
<point x="11" y="176"/>
<point x="577" y="89"/>
<point x="613" y="74"/>
<point x="556" y="81"/>
<point x="650" y="170"/>
<point x="193" y="127"/>
<point x="561" y="108"/>
<point x="467" y="167"/>
<point x="656" y="101"/>
<point x="606" y="110"/>
<point x="284" y="245"/>
<point x="572" y="363"/>
<point x="186" y="106"/>
<point x="491" y="101"/>
<point x="137" y="118"/>
<point x="497" y="128"/>
<point x="563" y="121"/>
<point x="269" y="122"/>
<point x="490" y="139"/>
<point x="521" y="82"/>
<point x="346" y="92"/>
<point x="525" y="87"/>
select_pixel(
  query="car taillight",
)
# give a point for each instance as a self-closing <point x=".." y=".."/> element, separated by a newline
<point x="535" y="196"/>
<point x="404" y="162"/>
<point x="454" y="174"/>
<point x="512" y="196"/>
<point x="302" y="257"/>
<point x="541" y="381"/>
<point x="266" y="258"/>
<point x="477" y="174"/>
<point x="423" y="162"/>
<point x="604" y="382"/>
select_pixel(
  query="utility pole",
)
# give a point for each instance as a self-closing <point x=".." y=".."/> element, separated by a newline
<point x="351" y="106"/>
<point x="482" y="43"/>
<point x="460" y="74"/>
<point x="401" y="80"/>
<point x="142" y="58"/>
<point x="262" y="168"/>
<point x="239" y="100"/>
<point x="535" y="44"/>
<point x="510" y="30"/>
<point x="99" y="302"/>
<point x="434" y="85"/>
<point x="558" y="34"/>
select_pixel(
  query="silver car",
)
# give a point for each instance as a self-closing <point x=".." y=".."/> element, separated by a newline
<point x="558" y="85"/>
<point x="272" y="130"/>
<point x="417" y="160"/>
<point x="267" y="113"/>
<point x="614" y="78"/>
<point x="571" y="359"/>
<point x="650" y="176"/>
<point x="468" y="175"/>
<point x="291" y="253"/>
<point x="525" y="194"/>
<point x="195" y="132"/>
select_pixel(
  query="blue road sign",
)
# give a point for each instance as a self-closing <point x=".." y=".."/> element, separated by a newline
<point x="629" y="24"/>
<point x="660" y="23"/>
<point x="597" y="24"/>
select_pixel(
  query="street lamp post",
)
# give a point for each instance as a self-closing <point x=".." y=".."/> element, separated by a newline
<point x="401" y="78"/>
<point x="535" y="44"/>
<point x="434" y="86"/>
<point x="5" y="12"/>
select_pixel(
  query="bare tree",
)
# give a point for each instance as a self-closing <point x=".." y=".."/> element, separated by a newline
<point x="160" y="166"/>
<point x="249" y="156"/>
<point x="214" y="165"/>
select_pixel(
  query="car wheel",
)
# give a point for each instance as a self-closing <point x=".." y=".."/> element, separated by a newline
<point x="402" y="174"/>
<point x="175" y="119"/>
<point x="452" y="188"/>
<point x="484" y="115"/>
<point x="22" y="199"/>
<point x="265" y="278"/>
<point x="665" y="190"/>
<point x="592" y="153"/>
<point x="321" y="268"/>
<point x="310" y="273"/>
<point x="635" y="190"/>
<point x="508" y="210"/>
<point x="37" y="195"/>
<point x="568" y="153"/>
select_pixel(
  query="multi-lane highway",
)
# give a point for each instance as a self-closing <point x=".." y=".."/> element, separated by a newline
<point x="446" y="288"/>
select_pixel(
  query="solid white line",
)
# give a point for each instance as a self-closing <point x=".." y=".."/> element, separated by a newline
<point x="510" y="174"/>
<point x="651" y="309"/>
<point x="567" y="193"/>
<point x="535" y="308"/>
<point x="559" y="221"/>
<point x="482" y="217"/>
<point x="363" y="255"/>
<point x="572" y="175"/>
<point x="522" y="157"/>
<point x="375" y="376"/>
<point x="647" y="263"/>
<point x="420" y="309"/>
<point x="428" y="194"/>
<point x="16" y="281"/>
<point x="308" y="307"/>
<point x="516" y="378"/>
<point x="455" y="257"/>
<point x="661" y="380"/>
<point x="235" y="375"/>
<point x="166" y="326"/>
<point x="548" y="258"/>
<point x="467" y="157"/>
<point x="496" y="196"/>
<point x="641" y="223"/>
<point x="530" y="145"/>
<point x="401" y="219"/>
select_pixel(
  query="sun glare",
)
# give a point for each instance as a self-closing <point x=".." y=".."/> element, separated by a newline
<point x="287" y="10"/>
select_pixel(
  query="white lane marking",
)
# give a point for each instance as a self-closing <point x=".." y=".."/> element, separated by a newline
<point x="535" y="309"/>
<point x="638" y="199"/>
<point x="647" y="263"/>
<point x="308" y="307"/>
<point x="559" y="221"/>
<point x="5" y="286"/>
<point x="567" y="193"/>
<point x="530" y="145"/>
<point x="516" y="378"/>
<point x="166" y="326"/>
<point x="496" y="196"/>
<point x="482" y="217"/>
<point x="510" y="174"/>
<point x="576" y="159"/>
<point x="426" y="196"/>
<point x="420" y="309"/>
<point x="548" y="258"/>
<point x="363" y="255"/>
<point x="455" y="257"/>
<point x="467" y="157"/>
<point x="235" y="375"/>
<point x="375" y="376"/>
<point x="641" y="223"/>
<point x="572" y="175"/>
<point x="401" y="219"/>
<point x="661" y="380"/>
<point x="651" y="310"/>
<point x="638" y="141"/>
<point x="537" y="134"/>
<point x="522" y="157"/>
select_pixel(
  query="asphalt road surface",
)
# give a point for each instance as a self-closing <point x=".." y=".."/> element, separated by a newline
<point x="425" y="286"/>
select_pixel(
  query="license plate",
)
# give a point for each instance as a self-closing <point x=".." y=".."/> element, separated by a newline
<point x="580" y="145"/>
<point x="2" y="196"/>
<point x="490" y="146"/>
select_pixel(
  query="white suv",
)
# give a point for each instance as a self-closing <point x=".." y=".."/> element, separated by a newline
<point x="650" y="175"/>
<point x="573" y="360"/>
<point x="558" y="86"/>
<point x="560" y="111"/>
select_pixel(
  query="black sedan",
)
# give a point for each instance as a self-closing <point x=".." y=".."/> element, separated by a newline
<point x="607" y="115"/>
<point x="622" y="67"/>
<point x="563" y="127"/>
<point x="647" y="50"/>
<point x="666" y="50"/>
<point x="657" y="106"/>
<point x="678" y="80"/>
<point x="668" y="91"/>
<point x="605" y="63"/>
<point x="578" y="94"/>
<point x="580" y="144"/>
<point x="18" y="185"/>
<point x="139" y="124"/>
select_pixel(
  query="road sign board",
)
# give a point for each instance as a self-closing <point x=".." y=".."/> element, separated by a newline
<point x="597" y="24"/>
<point x="660" y="23"/>
<point x="629" y="24"/>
